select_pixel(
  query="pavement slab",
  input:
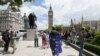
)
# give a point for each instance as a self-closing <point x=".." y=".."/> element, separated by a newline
<point x="26" y="48"/>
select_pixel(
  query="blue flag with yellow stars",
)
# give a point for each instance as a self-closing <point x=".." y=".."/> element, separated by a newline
<point x="55" y="42"/>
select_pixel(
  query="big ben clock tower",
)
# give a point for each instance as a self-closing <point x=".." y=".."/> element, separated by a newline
<point x="50" y="18"/>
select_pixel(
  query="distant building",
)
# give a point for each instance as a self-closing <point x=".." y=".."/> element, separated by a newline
<point x="9" y="18"/>
<point x="66" y="28"/>
<point x="50" y="18"/>
<point x="94" y="24"/>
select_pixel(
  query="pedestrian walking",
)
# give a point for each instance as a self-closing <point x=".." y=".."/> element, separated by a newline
<point x="44" y="40"/>
<point x="12" y="43"/>
<point x="66" y="37"/>
<point x="36" y="39"/>
<point x="55" y="42"/>
<point x="62" y="35"/>
<point x="81" y="41"/>
<point x="12" y="35"/>
<point x="73" y="36"/>
<point x="6" y="39"/>
<point x="47" y="40"/>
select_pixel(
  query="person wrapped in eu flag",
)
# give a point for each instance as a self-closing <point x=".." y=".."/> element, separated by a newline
<point x="55" y="42"/>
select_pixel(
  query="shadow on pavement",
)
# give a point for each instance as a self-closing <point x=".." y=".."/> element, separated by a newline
<point x="4" y="53"/>
<point x="30" y="46"/>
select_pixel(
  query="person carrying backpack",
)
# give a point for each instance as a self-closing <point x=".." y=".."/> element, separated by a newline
<point x="6" y="39"/>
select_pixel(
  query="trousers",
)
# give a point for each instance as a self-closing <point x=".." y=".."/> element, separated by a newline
<point x="36" y="42"/>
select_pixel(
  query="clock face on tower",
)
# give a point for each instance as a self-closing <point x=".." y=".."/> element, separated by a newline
<point x="50" y="13"/>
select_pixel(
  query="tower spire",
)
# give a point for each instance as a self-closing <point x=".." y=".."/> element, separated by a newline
<point x="82" y="19"/>
<point x="72" y="25"/>
<point x="50" y="8"/>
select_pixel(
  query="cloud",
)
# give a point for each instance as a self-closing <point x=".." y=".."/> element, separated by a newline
<point x="25" y="9"/>
<point x="42" y="25"/>
<point x="64" y="10"/>
<point x="38" y="10"/>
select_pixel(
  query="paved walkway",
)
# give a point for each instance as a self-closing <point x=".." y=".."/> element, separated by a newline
<point x="26" y="48"/>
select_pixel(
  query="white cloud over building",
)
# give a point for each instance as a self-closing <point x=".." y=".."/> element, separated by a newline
<point x="64" y="10"/>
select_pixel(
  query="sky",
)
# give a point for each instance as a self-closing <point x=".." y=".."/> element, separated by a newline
<point x="64" y="11"/>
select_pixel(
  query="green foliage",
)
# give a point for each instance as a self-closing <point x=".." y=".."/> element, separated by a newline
<point x="18" y="2"/>
<point x="96" y="40"/>
<point x="97" y="33"/>
<point x="93" y="48"/>
<point x="47" y="30"/>
<point x="14" y="2"/>
<point x="88" y="40"/>
<point x="59" y="28"/>
<point x="78" y="43"/>
<point x="87" y="28"/>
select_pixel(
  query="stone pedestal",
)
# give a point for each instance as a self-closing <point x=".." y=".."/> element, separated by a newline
<point x="31" y="33"/>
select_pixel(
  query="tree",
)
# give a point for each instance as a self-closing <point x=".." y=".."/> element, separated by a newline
<point x="87" y="28"/>
<point x="14" y="3"/>
<point x="47" y="30"/>
<point x="96" y="40"/>
<point x="59" y="28"/>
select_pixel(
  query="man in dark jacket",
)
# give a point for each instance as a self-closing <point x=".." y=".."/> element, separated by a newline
<point x="81" y="40"/>
<point x="6" y="39"/>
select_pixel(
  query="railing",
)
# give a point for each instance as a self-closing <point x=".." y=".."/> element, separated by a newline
<point x="72" y="41"/>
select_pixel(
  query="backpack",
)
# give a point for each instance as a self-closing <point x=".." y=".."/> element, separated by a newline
<point x="5" y="36"/>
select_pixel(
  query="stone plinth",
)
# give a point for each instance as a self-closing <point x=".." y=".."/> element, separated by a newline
<point x="31" y="33"/>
